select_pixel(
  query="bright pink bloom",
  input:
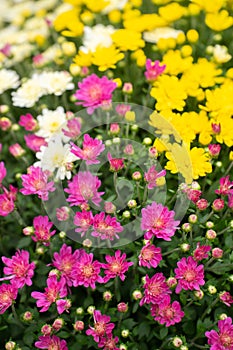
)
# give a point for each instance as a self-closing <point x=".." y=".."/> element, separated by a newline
<point x="202" y="204"/>
<point x="2" y="172"/>
<point x="116" y="266"/>
<point x="16" y="150"/>
<point x="91" y="150"/>
<point x="8" y="293"/>
<point x="28" y="122"/>
<point x="6" y="50"/>
<point x="226" y="298"/>
<point x="155" y="289"/>
<point x="193" y="195"/>
<point x="34" y="142"/>
<point x="54" y="291"/>
<point x="152" y="175"/>
<point x="214" y="150"/>
<point x="158" y="221"/>
<point x="102" y="327"/>
<point x="62" y="214"/>
<point x="19" y="268"/>
<point x="87" y="272"/>
<point x="95" y="92"/>
<point x="218" y="204"/>
<point x="106" y="227"/>
<point x="222" y="340"/>
<point x="65" y="261"/>
<point x="121" y="109"/>
<point x="189" y="275"/>
<point x="201" y="252"/>
<point x="84" y="221"/>
<point x="153" y="70"/>
<point x="6" y="205"/>
<point x="36" y="182"/>
<point x="217" y="253"/>
<point x="108" y="343"/>
<point x="216" y="128"/>
<point x="51" y="343"/>
<point x="5" y="123"/>
<point x="63" y="305"/>
<point x="42" y="227"/>
<point x="116" y="164"/>
<point x="83" y="187"/>
<point x="166" y="312"/>
<point x="230" y="200"/>
<point x="74" y="127"/>
<point x="226" y="186"/>
<point x="150" y="256"/>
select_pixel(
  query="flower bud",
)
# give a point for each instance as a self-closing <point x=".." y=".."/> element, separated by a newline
<point x="192" y="218"/>
<point x="10" y="345"/>
<point x="27" y="316"/>
<point x="186" y="227"/>
<point x="214" y="150"/>
<point x="57" y="324"/>
<point x="126" y="214"/>
<point x="125" y="333"/>
<point x="217" y="253"/>
<point x="209" y="224"/>
<point x="107" y="295"/>
<point x="129" y="150"/>
<point x="177" y="342"/>
<point x="16" y="150"/>
<point x="212" y="289"/>
<point x="91" y="309"/>
<point x="127" y="88"/>
<point x="223" y="316"/>
<point x="109" y="207"/>
<point x="136" y="176"/>
<point x="171" y="282"/>
<point x="137" y="294"/>
<point x="199" y="294"/>
<point x="62" y="213"/>
<point x="46" y="329"/>
<point x="216" y="128"/>
<point x="79" y="326"/>
<point x="5" y="124"/>
<point x="211" y="234"/>
<point x="185" y="247"/>
<point x="202" y="204"/>
<point x="147" y="141"/>
<point x="153" y="152"/>
<point x="79" y="311"/>
<point x="40" y="250"/>
<point x="123" y="347"/>
<point x="114" y="129"/>
<point x="218" y="204"/>
<point x="122" y="307"/>
<point x="132" y="203"/>
<point x="87" y="243"/>
<point x="28" y="231"/>
<point x="116" y="140"/>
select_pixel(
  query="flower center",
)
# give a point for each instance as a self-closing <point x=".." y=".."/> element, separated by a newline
<point x="226" y="339"/>
<point x="158" y="223"/>
<point x="100" y="328"/>
<point x="115" y="267"/>
<point x="190" y="275"/>
<point x="147" y="254"/>
<point x="54" y="347"/>
<point x="169" y="313"/>
<point x="154" y="289"/>
<point x="88" y="270"/>
<point x="95" y="92"/>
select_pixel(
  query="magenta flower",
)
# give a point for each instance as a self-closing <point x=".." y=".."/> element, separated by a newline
<point x="95" y="92"/>
<point x="226" y="298"/>
<point x="158" y="221"/>
<point x="74" y="128"/>
<point x="84" y="221"/>
<point x="151" y="177"/>
<point x="36" y="182"/>
<point x="19" y="268"/>
<point x="65" y="261"/>
<point x="116" y="266"/>
<point x="54" y="291"/>
<point x="87" y="272"/>
<point x="6" y="205"/>
<point x="51" y="342"/>
<point x="201" y="252"/>
<point x="190" y="276"/>
<point x="106" y="227"/>
<point x="121" y="109"/>
<point x="42" y="227"/>
<point x="166" y="312"/>
<point x="102" y="327"/>
<point x="153" y="70"/>
<point x="34" y="142"/>
<point x="83" y="187"/>
<point x="8" y="293"/>
<point x="91" y="150"/>
<point x="28" y="122"/>
<point x="150" y="256"/>
<point x="226" y="186"/>
<point x="108" y="343"/>
<point x="2" y="172"/>
<point x="155" y="289"/>
<point x="222" y="340"/>
<point x="116" y="164"/>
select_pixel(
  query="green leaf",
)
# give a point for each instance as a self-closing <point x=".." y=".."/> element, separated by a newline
<point x="163" y="332"/>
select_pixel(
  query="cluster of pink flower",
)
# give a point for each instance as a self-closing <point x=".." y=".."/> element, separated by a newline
<point x="8" y="197"/>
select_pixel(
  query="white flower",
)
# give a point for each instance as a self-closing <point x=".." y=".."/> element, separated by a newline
<point x="51" y="122"/>
<point x="56" y="82"/>
<point x="97" y="35"/>
<point x="9" y="79"/>
<point x="114" y="5"/>
<point x="153" y="36"/>
<point x="56" y="156"/>
<point x="28" y="94"/>
<point x="221" y="54"/>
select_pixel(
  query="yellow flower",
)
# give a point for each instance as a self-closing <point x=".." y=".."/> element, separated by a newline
<point x="96" y="6"/>
<point x="192" y="35"/>
<point x="144" y="22"/>
<point x="201" y="125"/>
<point x="64" y="18"/>
<point x="231" y="155"/>
<point x="219" y="21"/>
<point x="140" y="57"/>
<point x="127" y="39"/>
<point x="172" y="12"/>
<point x="176" y="64"/>
<point x="83" y="59"/>
<point x="209" y="6"/>
<point x="106" y="57"/>
<point x="226" y="134"/>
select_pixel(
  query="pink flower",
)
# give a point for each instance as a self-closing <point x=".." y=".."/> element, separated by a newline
<point x="214" y="150"/>
<point x="121" y="109"/>
<point x="95" y="92"/>
<point x="225" y="186"/>
<point x="74" y="127"/>
<point x="84" y="221"/>
<point x="153" y="70"/>
<point x="150" y="256"/>
<point x="116" y="164"/>
<point x="19" y="268"/>
<point x="166" y="312"/>
<point x="34" y="142"/>
<point x="2" y="172"/>
<point x="189" y="275"/>
<point x="158" y="221"/>
<point x="108" y="343"/>
<point x="6" y="205"/>
<point x="116" y="266"/>
<point x="201" y="252"/>
<point x="54" y="291"/>
<point x="226" y="298"/>
<point x="152" y="175"/>
<point x="222" y="340"/>
<point x="16" y="150"/>
<point x="63" y="305"/>
<point x="28" y="122"/>
<point x="36" y="182"/>
<point x="91" y="150"/>
<point x="42" y="227"/>
<point x="155" y="289"/>
<point x="87" y="271"/>
<point x="106" y="227"/>
<point x="51" y="342"/>
<point x="102" y="327"/>
<point x="8" y="293"/>
<point x="84" y="187"/>
<point x="65" y="261"/>
<point x="62" y="214"/>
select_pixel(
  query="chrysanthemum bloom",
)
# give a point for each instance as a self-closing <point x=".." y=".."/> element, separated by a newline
<point x="150" y="256"/>
<point x="36" y="182"/>
<point x="42" y="227"/>
<point x="224" y="338"/>
<point x="28" y="122"/>
<point x="106" y="227"/>
<point x="166" y="312"/>
<point x="86" y="272"/>
<point x="95" y="92"/>
<point x="62" y="213"/>
<point x="65" y="261"/>
<point x="155" y="289"/>
<point x="152" y="175"/>
<point x="74" y="128"/>
<point x="226" y="298"/>
<point x="201" y="252"/>
<point x="2" y="172"/>
<point x="189" y="274"/>
<point x="158" y="221"/>
<point x="102" y="327"/>
<point x="83" y="187"/>
<point x="51" y="342"/>
<point x="16" y="150"/>
<point x="153" y="70"/>
<point x="108" y="343"/>
<point x="91" y="150"/>
<point x="6" y="205"/>
<point x="226" y="186"/>
<point x="116" y="164"/>
<point x="116" y="266"/>
<point x="193" y="195"/>
<point x="19" y="268"/>
<point x="8" y="293"/>
<point x="54" y="291"/>
<point x="34" y="142"/>
<point x="84" y="221"/>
